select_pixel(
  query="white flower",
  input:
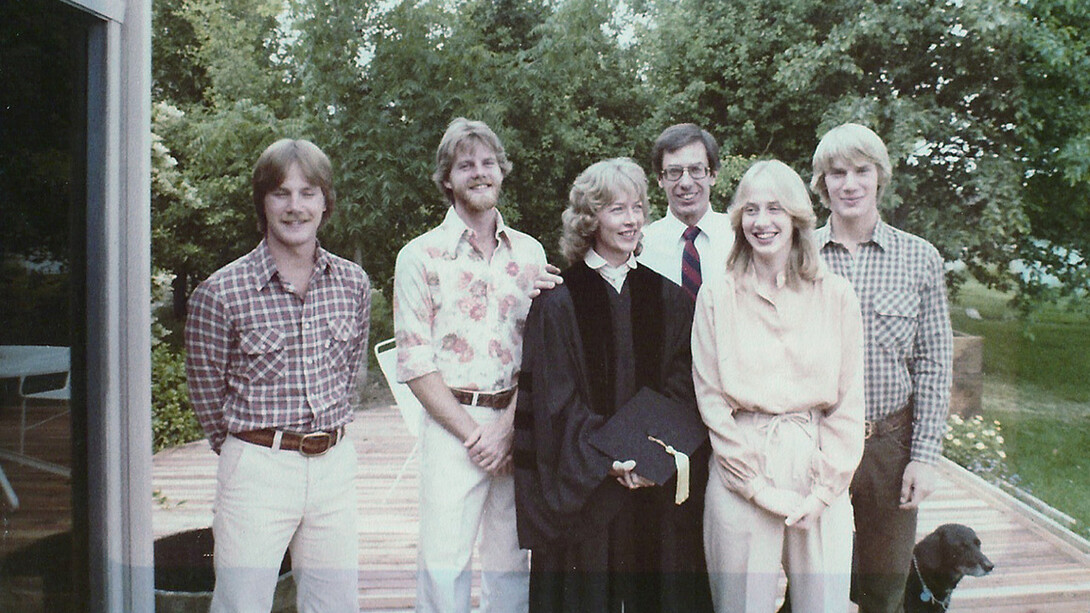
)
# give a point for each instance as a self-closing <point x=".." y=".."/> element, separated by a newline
<point x="970" y="435"/>
<point x="980" y="446"/>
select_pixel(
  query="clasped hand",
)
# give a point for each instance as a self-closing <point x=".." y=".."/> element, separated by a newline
<point x="625" y="474"/>
<point x="799" y="511"/>
<point x="489" y="446"/>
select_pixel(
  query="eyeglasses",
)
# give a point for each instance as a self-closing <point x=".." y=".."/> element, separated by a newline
<point x="674" y="173"/>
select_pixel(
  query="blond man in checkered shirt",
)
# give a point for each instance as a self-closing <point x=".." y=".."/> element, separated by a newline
<point x="908" y="354"/>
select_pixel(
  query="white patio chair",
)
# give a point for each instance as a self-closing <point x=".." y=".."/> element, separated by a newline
<point x="9" y="492"/>
<point x="61" y="394"/>
<point x="412" y="412"/>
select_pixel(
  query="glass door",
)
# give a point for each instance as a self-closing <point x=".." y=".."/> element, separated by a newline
<point x="43" y="165"/>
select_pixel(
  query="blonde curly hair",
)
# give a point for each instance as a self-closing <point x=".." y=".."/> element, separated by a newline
<point x="601" y="183"/>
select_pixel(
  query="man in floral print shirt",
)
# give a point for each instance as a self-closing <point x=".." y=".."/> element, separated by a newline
<point x="461" y="295"/>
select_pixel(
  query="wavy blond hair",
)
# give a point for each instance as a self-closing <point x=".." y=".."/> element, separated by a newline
<point x="601" y="183"/>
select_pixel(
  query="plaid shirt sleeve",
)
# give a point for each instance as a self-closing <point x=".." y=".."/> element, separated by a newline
<point x="359" y="350"/>
<point x="207" y="340"/>
<point x="933" y="358"/>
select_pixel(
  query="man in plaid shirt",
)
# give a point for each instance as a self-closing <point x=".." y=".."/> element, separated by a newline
<point x="274" y="341"/>
<point x="908" y="351"/>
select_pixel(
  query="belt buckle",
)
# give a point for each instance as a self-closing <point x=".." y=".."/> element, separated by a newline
<point x="329" y="438"/>
<point x="869" y="429"/>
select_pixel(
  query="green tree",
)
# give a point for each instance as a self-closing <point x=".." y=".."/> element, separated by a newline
<point x="555" y="85"/>
<point x="224" y="91"/>
<point x="1054" y="130"/>
<point x="937" y="80"/>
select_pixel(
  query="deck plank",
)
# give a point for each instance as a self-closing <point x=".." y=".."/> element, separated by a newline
<point x="1039" y="568"/>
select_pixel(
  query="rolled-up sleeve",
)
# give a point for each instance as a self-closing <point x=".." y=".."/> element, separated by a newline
<point x="413" y="317"/>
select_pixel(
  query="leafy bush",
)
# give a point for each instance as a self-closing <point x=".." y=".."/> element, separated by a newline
<point x="382" y="322"/>
<point x="978" y="445"/>
<point x="172" y="419"/>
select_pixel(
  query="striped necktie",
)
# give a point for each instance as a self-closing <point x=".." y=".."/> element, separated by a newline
<point x="690" y="262"/>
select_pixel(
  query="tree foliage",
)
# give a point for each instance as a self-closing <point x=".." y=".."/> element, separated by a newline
<point x="936" y="79"/>
<point x="983" y="103"/>
<point x="1054" y="125"/>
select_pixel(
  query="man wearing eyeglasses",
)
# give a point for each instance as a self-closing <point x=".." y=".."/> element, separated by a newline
<point x="691" y="241"/>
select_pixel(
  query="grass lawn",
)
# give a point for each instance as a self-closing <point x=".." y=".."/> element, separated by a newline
<point x="1037" y="384"/>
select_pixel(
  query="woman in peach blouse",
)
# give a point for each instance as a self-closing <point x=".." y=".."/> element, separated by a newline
<point x="778" y="370"/>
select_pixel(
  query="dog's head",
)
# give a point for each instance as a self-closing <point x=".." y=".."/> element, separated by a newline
<point x="955" y="549"/>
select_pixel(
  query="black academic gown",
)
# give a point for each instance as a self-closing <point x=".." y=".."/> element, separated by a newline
<point x="595" y="543"/>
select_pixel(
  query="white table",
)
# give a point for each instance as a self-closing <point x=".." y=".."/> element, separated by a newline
<point x="20" y="362"/>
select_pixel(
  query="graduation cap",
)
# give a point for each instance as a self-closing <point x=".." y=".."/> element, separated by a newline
<point x="658" y="433"/>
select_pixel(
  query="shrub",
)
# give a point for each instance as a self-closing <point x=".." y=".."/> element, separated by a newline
<point x="172" y="419"/>
<point x="978" y="445"/>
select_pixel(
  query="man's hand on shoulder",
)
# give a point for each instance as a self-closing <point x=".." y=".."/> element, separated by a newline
<point x="548" y="279"/>
<point x="917" y="483"/>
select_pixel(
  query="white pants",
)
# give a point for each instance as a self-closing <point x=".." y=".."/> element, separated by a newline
<point x="269" y="501"/>
<point x="458" y="500"/>
<point x="746" y="546"/>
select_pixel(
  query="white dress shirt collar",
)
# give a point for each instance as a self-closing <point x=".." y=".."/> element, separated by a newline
<point x="615" y="275"/>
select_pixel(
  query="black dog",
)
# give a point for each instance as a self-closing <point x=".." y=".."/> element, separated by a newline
<point x="939" y="561"/>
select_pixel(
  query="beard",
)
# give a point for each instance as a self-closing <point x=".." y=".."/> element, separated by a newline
<point x="478" y="202"/>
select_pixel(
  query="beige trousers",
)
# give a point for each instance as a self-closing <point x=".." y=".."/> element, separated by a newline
<point x="748" y="547"/>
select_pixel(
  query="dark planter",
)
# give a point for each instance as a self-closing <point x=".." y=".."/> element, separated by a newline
<point x="184" y="575"/>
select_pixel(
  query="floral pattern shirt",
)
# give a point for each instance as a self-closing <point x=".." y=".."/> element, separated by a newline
<point x="460" y="314"/>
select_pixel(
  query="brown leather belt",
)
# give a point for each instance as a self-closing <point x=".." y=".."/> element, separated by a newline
<point x="492" y="400"/>
<point x="310" y="444"/>
<point x="888" y="424"/>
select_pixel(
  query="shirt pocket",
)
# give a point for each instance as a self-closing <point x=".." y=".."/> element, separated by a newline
<point x="264" y="351"/>
<point x="895" y="320"/>
<point x="342" y="332"/>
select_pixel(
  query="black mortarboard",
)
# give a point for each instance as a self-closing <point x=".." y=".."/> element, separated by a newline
<point x="642" y="428"/>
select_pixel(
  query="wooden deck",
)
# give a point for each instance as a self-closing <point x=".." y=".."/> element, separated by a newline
<point x="1040" y="567"/>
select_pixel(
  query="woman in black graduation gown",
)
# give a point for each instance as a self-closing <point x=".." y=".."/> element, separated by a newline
<point x="602" y="537"/>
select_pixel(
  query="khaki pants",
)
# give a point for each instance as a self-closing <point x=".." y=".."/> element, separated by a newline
<point x="747" y="546"/>
<point x="268" y="501"/>
<point x="458" y="501"/>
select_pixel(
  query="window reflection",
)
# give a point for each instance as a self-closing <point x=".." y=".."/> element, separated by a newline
<point x="42" y="60"/>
